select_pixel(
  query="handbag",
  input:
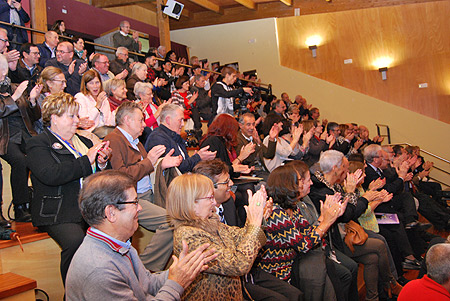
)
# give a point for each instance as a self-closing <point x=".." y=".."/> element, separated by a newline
<point x="355" y="235"/>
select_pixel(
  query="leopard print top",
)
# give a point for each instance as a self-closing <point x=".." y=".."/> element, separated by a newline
<point x="237" y="248"/>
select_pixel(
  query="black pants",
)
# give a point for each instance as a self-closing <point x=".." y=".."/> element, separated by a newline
<point x="347" y="271"/>
<point x="69" y="237"/>
<point x="264" y="286"/>
<point x="15" y="156"/>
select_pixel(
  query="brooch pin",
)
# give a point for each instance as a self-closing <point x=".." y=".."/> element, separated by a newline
<point x="57" y="145"/>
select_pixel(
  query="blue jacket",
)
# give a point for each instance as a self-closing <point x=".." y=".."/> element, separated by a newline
<point x="22" y="36"/>
<point x="164" y="136"/>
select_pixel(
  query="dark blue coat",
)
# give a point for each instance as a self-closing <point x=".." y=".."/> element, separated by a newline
<point x="22" y="36"/>
<point x="164" y="136"/>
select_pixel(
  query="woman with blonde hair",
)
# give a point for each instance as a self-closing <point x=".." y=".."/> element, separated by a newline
<point x="93" y="102"/>
<point x="191" y="208"/>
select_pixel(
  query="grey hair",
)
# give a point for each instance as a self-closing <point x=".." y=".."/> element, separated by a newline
<point x="113" y="84"/>
<point x="371" y="152"/>
<point x="249" y="115"/>
<point x="101" y="190"/>
<point x="122" y="23"/>
<point x="140" y="88"/>
<point x="121" y="50"/>
<point x="329" y="159"/>
<point x="137" y="66"/>
<point x="168" y="110"/>
<point x="438" y="263"/>
<point x="125" y="109"/>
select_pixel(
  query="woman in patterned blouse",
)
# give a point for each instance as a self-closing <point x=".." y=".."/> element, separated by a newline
<point x="290" y="236"/>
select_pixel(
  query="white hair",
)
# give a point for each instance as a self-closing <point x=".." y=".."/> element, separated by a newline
<point x="329" y="159"/>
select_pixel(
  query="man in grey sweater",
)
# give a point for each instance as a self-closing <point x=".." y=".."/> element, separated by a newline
<point x="106" y="266"/>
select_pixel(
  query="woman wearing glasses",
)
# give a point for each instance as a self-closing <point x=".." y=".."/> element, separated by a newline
<point x="59" y="159"/>
<point x="191" y="208"/>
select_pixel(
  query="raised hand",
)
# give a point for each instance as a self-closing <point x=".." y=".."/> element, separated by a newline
<point x="256" y="205"/>
<point x="377" y="184"/>
<point x="35" y="92"/>
<point x="246" y="150"/>
<point x="19" y="90"/>
<point x="156" y="152"/>
<point x="171" y="161"/>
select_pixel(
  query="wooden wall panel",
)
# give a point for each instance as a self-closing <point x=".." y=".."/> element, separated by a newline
<point x="415" y="36"/>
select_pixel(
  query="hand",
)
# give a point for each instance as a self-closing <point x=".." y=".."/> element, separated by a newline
<point x="377" y="184"/>
<point x="371" y="195"/>
<point x="82" y="68"/>
<point x="101" y="98"/>
<point x="93" y="151"/>
<point x="17" y="5"/>
<point x="122" y="75"/>
<point x="243" y="168"/>
<point x="194" y="97"/>
<point x="408" y="177"/>
<point x="257" y="139"/>
<point x="423" y="174"/>
<point x="246" y="150"/>
<point x="427" y="165"/>
<point x="85" y="123"/>
<point x="156" y="152"/>
<point x="71" y="67"/>
<point x="35" y="92"/>
<point x="19" y="90"/>
<point x="352" y="180"/>
<point x="188" y="266"/>
<point x="12" y="55"/>
<point x="256" y="204"/>
<point x="171" y="161"/>
<point x="330" y="139"/>
<point x="307" y="136"/>
<point x="384" y="196"/>
<point x="297" y="133"/>
<point x="248" y="90"/>
<point x="84" y="55"/>
<point x="358" y="144"/>
<point x="205" y="154"/>
<point x="324" y="136"/>
<point x="331" y="209"/>
<point x="104" y="154"/>
<point x="350" y="136"/>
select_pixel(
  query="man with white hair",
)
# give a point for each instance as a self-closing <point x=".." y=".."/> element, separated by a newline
<point x="120" y="63"/>
<point x="121" y="39"/>
<point x="435" y="285"/>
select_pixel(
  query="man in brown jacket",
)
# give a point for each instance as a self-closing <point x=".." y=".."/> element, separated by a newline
<point x="129" y="156"/>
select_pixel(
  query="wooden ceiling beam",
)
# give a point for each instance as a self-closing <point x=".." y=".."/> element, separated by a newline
<point x="247" y="3"/>
<point x="208" y="5"/>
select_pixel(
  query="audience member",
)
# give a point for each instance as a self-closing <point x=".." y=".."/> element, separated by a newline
<point x="48" y="48"/>
<point x="78" y="48"/>
<point x="60" y="28"/>
<point x="138" y="74"/>
<point x="117" y="92"/>
<point x="223" y="94"/>
<point x="73" y="69"/>
<point x="13" y="55"/>
<point x="121" y="39"/>
<point x="28" y="66"/>
<point x="204" y="104"/>
<point x="59" y="159"/>
<point x="120" y="63"/>
<point x="144" y="96"/>
<point x="191" y="208"/>
<point x="95" y="110"/>
<point x="435" y="285"/>
<point x="101" y="267"/>
<point x="18" y="113"/>
<point x="168" y="134"/>
<point x="186" y="100"/>
<point x="130" y="157"/>
<point x="11" y="11"/>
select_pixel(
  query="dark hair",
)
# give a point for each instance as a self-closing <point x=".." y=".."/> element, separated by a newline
<point x="55" y="26"/>
<point x="100" y="190"/>
<point x="331" y="126"/>
<point x="300" y="166"/>
<point x="87" y="77"/>
<point x="168" y="54"/>
<point x="397" y="149"/>
<point x="181" y="80"/>
<point x="356" y="158"/>
<point x="283" y="186"/>
<point x="194" y="67"/>
<point x="286" y="127"/>
<point x="225" y="126"/>
<point x="150" y="54"/>
<point x="166" y="61"/>
<point x="26" y="48"/>
<point x="76" y="38"/>
<point x="211" y="168"/>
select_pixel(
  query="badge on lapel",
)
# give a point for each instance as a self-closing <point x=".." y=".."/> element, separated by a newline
<point x="57" y="145"/>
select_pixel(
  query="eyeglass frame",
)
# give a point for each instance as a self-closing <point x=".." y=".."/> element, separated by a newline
<point x="135" y="202"/>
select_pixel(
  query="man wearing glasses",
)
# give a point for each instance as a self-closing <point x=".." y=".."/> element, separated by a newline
<point x="100" y="63"/>
<point x="28" y="67"/>
<point x="73" y="69"/>
<point x="11" y="56"/>
<point x="106" y="266"/>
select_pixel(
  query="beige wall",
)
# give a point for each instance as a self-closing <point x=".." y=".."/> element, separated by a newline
<point x="254" y="45"/>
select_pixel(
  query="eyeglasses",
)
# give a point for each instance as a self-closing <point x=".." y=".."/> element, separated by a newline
<point x="210" y="198"/>
<point x="135" y="202"/>
<point x="105" y="62"/>
<point x="60" y="51"/>
<point x="4" y="40"/>
<point x="225" y="182"/>
<point x="59" y="80"/>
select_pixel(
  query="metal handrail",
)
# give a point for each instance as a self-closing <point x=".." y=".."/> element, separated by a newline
<point x="131" y="52"/>
<point x="388" y="135"/>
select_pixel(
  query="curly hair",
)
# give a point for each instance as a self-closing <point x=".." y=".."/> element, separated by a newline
<point x="225" y="126"/>
<point x="283" y="186"/>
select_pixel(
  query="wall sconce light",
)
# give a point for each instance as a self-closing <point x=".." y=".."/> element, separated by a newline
<point x="313" y="49"/>
<point x="383" y="73"/>
<point x="312" y="42"/>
